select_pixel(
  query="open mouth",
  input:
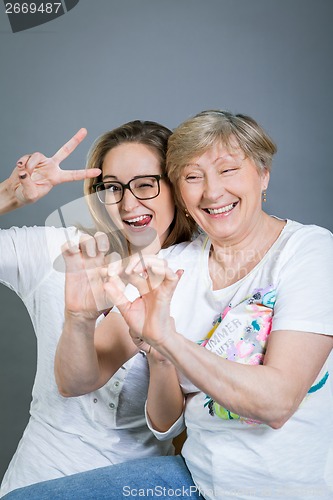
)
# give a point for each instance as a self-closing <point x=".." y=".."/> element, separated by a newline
<point x="222" y="210"/>
<point x="140" y="221"/>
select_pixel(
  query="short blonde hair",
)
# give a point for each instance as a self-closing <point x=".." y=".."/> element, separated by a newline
<point x="198" y="134"/>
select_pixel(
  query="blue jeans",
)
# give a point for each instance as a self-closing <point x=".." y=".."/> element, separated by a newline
<point x="155" y="477"/>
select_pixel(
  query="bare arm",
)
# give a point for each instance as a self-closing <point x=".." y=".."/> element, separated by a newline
<point x="163" y="381"/>
<point x="8" y="200"/>
<point x="87" y="357"/>
<point x="165" y="400"/>
<point x="35" y="175"/>
<point x="270" y="393"/>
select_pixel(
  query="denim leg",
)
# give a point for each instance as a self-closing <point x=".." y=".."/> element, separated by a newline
<point x="154" y="477"/>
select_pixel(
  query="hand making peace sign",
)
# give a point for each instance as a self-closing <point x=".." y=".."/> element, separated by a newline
<point x="35" y="175"/>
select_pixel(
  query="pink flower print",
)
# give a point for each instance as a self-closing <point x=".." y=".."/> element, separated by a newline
<point x="256" y="359"/>
<point x="262" y="321"/>
<point x="250" y="421"/>
<point x="244" y="349"/>
<point x="265" y="329"/>
<point x="258" y="310"/>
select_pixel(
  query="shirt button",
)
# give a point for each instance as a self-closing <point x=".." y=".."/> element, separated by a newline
<point x="116" y="384"/>
<point x="95" y="400"/>
<point x="112" y="406"/>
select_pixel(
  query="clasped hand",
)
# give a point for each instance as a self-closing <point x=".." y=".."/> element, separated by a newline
<point x="148" y="316"/>
<point x="96" y="280"/>
<point x="86" y="273"/>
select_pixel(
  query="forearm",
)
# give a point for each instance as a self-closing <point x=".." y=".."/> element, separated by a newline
<point x="254" y="392"/>
<point x="77" y="368"/>
<point x="165" y="399"/>
<point x="8" y="200"/>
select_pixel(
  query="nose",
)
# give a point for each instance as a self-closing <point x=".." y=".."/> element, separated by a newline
<point x="213" y="188"/>
<point x="129" y="201"/>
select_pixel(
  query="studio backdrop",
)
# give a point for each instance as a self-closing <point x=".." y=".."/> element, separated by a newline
<point x="99" y="64"/>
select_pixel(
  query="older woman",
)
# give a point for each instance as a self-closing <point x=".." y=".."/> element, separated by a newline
<point x="261" y="423"/>
<point x="237" y="313"/>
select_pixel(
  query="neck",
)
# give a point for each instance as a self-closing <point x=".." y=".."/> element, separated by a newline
<point x="231" y="261"/>
<point x="257" y="234"/>
<point x="153" y="248"/>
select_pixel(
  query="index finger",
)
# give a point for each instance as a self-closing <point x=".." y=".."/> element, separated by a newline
<point x="69" y="147"/>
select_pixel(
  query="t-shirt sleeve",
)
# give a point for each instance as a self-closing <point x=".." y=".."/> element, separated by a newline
<point x="28" y="254"/>
<point x="171" y="433"/>
<point x="305" y="283"/>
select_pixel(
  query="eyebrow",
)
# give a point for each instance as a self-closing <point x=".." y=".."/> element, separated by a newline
<point x="132" y="179"/>
<point x="109" y="177"/>
<point x="222" y="158"/>
<point x="213" y="162"/>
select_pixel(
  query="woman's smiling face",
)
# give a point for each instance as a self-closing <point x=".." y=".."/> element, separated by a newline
<point x="140" y="220"/>
<point x="222" y="192"/>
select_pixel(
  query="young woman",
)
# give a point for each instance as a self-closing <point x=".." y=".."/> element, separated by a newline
<point x="108" y="426"/>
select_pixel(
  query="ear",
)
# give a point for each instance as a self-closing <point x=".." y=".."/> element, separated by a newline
<point x="265" y="176"/>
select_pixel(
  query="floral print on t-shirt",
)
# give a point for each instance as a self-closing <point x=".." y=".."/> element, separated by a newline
<point x="240" y="334"/>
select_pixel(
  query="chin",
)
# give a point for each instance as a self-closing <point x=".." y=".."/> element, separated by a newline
<point x="141" y="240"/>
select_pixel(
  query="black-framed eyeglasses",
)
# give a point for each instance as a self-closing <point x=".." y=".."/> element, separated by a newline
<point x="143" y="187"/>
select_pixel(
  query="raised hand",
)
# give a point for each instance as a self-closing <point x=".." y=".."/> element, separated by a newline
<point x="86" y="272"/>
<point x="35" y="175"/>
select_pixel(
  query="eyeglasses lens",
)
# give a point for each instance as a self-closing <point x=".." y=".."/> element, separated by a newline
<point x="142" y="188"/>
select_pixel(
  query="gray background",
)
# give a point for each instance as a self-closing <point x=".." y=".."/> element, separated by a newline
<point x="110" y="61"/>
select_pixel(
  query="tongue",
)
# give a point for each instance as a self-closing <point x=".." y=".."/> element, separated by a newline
<point x="142" y="222"/>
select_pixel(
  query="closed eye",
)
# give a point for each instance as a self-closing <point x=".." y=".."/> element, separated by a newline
<point x="144" y="185"/>
<point x="228" y="170"/>
<point x="193" y="178"/>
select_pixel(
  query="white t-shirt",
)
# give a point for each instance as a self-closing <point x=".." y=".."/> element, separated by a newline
<point x="290" y="289"/>
<point x="68" y="435"/>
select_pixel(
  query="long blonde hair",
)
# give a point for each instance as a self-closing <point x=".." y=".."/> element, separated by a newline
<point x="154" y="136"/>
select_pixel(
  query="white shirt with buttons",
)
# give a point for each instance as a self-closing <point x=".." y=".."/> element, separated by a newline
<point x="68" y="435"/>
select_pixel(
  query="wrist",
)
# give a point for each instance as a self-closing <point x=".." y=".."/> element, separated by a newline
<point x="80" y="318"/>
<point x="166" y="346"/>
<point x="8" y="200"/>
<point x="167" y="341"/>
<point x="156" y="359"/>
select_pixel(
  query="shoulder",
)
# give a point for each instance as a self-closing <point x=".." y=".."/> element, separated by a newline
<point x="303" y="237"/>
<point x="59" y="235"/>
<point x="186" y="251"/>
<point x="22" y="238"/>
<point x="56" y="237"/>
<point x="304" y="246"/>
<point x="37" y="239"/>
<point x="36" y="232"/>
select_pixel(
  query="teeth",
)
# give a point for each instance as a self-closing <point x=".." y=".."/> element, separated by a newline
<point x="222" y="210"/>
<point x="136" y="219"/>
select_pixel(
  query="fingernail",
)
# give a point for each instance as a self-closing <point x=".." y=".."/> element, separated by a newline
<point x="23" y="176"/>
<point x="19" y="163"/>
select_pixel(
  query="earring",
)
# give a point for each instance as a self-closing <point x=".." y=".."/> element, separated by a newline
<point x="264" y="196"/>
<point x="186" y="213"/>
